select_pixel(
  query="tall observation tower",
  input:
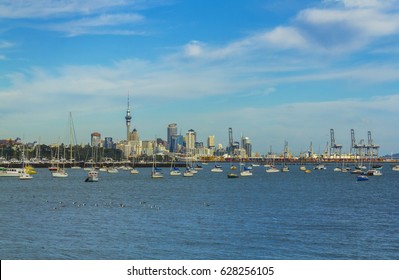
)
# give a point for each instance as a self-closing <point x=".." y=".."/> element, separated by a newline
<point x="128" y="119"/>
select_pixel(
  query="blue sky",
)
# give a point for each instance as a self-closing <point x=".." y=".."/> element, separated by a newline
<point x="274" y="71"/>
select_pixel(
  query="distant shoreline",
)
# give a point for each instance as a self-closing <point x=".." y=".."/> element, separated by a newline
<point x="183" y="164"/>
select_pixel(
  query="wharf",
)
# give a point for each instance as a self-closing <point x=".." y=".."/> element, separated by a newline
<point x="81" y="164"/>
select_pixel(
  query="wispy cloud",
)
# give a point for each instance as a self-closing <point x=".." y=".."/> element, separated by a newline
<point x="74" y="18"/>
<point x="14" y="9"/>
<point x="366" y="3"/>
<point x="6" y="44"/>
<point x="118" y="24"/>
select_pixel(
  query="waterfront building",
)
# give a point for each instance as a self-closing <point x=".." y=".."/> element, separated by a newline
<point x="191" y="137"/>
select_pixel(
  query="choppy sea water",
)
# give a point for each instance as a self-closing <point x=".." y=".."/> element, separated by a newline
<point x="293" y="215"/>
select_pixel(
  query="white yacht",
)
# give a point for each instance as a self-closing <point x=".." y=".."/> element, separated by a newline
<point x="11" y="172"/>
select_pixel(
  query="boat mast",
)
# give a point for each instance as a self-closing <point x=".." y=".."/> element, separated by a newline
<point x="70" y="137"/>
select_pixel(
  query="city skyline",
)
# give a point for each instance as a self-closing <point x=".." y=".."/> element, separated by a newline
<point x="274" y="72"/>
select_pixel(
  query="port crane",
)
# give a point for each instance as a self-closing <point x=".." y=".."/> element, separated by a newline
<point x="310" y="150"/>
<point x="233" y="145"/>
<point x="357" y="149"/>
<point x="334" y="147"/>
<point x="372" y="149"/>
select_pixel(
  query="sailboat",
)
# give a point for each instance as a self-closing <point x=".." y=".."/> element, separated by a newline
<point x="72" y="132"/>
<point x="174" y="171"/>
<point x="156" y="173"/>
<point x="285" y="167"/>
<point x="134" y="170"/>
<point x="373" y="171"/>
<point x="60" y="172"/>
<point x="272" y="168"/>
<point x="188" y="173"/>
<point x="24" y="175"/>
<point x="302" y="167"/>
<point x="244" y="170"/>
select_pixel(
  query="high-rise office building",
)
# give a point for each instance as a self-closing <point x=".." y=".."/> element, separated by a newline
<point x="191" y="138"/>
<point x="108" y="143"/>
<point x="211" y="141"/>
<point x="134" y="135"/>
<point x="246" y="145"/>
<point x="176" y="143"/>
<point x="95" y="139"/>
<point x="172" y="132"/>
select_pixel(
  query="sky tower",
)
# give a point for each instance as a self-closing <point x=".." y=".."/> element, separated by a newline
<point x="128" y="119"/>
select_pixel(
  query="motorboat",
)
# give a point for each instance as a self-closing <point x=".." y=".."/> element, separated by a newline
<point x="217" y="168"/>
<point x="272" y="169"/>
<point x="10" y="172"/>
<point x="362" y="178"/>
<point x="60" y="173"/>
<point x="92" y="176"/>
<point x="232" y="175"/>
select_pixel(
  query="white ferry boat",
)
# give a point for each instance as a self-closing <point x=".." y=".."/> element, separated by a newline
<point x="10" y="172"/>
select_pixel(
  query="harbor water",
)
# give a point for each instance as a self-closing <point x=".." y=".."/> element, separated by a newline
<point x="290" y="215"/>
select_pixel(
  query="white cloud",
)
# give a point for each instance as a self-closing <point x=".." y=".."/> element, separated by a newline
<point x="366" y="22"/>
<point x="285" y="38"/>
<point x="52" y="8"/>
<point x="193" y="49"/>
<point x="339" y="29"/>
<point x="368" y="3"/>
<point x="102" y="24"/>
<point x="75" y="17"/>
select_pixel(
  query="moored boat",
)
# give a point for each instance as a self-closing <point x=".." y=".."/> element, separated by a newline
<point x="60" y="173"/>
<point x="217" y="168"/>
<point x="10" y="172"/>
<point x="285" y="168"/>
<point x="25" y="176"/>
<point x="134" y="171"/>
<point x="272" y="169"/>
<point x="156" y="173"/>
<point x="374" y="172"/>
<point x="188" y="173"/>
<point x="320" y="167"/>
<point x="232" y="175"/>
<point x="92" y="176"/>
<point x="112" y="170"/>
<point x="175" y="172"/>
<point x="362" y="178"/>
<point x="246" y="172"/>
